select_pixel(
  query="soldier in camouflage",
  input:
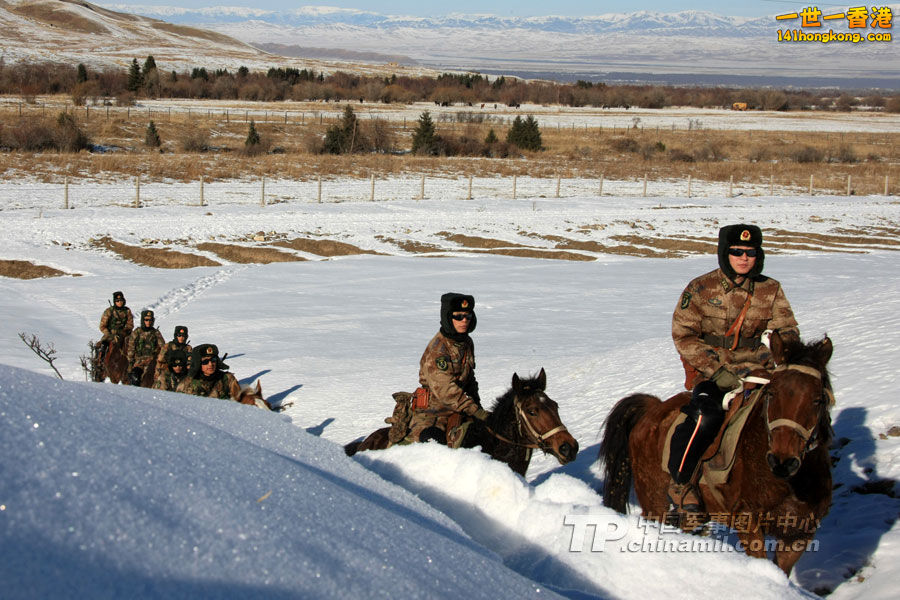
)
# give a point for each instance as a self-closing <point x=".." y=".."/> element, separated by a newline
<point x="447" y="372"/>
<point x="116" y="323"/>
<point x="179" y="342"/>
<point x="143" y="346"/>
<point x="717" y="328"/>
<point x="176" y="369"/>
<point x="208" y="375"/>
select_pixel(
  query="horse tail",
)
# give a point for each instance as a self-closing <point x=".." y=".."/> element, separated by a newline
<point x="352" y="448"/>
<point x="614" y="448"/>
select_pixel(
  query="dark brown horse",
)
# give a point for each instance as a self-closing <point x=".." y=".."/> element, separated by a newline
<point x="113" y="362"/>
<point x="780" y="484"/>
<point x="521" y="420"/>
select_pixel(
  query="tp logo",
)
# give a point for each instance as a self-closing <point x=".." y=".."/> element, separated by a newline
<point x="607" y="528"/>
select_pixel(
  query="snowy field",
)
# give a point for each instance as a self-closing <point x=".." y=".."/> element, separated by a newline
<point x="109" y="491"/>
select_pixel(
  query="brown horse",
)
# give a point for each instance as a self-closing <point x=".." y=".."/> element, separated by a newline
<point x="521" y="420"/>
<point x="780" y="483"/>
<point x="253" y="396"/>
<point x="114" y="363"/>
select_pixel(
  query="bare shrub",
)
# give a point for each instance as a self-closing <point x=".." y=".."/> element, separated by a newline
<point x="806" y="154"/>
<point x="679" y="155"/>
<point x="843" y="154"/>
<point x="626" y="144"/>
<point x="195" y="140"/>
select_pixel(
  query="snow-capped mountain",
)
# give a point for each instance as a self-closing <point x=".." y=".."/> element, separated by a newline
<point x="691" y="42"/>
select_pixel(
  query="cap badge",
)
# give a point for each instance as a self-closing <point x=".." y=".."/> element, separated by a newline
<point x="465" y="304"/>
<point x="745" y="235"/>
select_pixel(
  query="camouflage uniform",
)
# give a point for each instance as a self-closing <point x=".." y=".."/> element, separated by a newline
<point x="167" y="379"/>
<point x="708" y="307"/>
<point x="162" y="359"/>
<point x="447" y="371"/>
<point x="221" y="384"/>
<point x="116" y="322"/>
<point x="143" y="345"/>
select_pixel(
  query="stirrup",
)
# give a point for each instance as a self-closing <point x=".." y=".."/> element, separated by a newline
<point x="684" y="498"/>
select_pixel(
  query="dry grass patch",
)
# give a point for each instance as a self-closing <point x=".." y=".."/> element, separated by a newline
<point x="248" y="254"/>
<point x="411" y="246"/>
<point x="323" y="247"/>
<point x="63" y="19"/>
<point x="532" y="253"/>
<point x="160" y="258"/>
<point x="669" y="246"/>
<point x="857" y="239"/>
<point x="470" y="241"/>
<point x="23" y="269"/>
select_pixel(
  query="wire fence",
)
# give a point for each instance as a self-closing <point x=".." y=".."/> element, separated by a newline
<point x="82" y="193"/>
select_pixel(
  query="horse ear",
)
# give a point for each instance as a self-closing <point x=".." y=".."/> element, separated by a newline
<point x="258" y="388"/>
<point x="542" y="380"/>
<point x="776" y="344"/>
<point x="825" y="349"/>
<point x="516" y="382"/>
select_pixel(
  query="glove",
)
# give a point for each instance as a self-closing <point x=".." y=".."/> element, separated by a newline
<point x="725" y="380"/>
<point x="481" y="414"/>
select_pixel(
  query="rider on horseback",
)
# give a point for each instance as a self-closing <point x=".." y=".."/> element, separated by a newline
<point x="176" y="369"/>
<point x="179" y="342"/>
<point x="116" y="323"/>
<point x="447" y="373"/>
<point x="717" y="328"/>
<point x="143" y="345"/>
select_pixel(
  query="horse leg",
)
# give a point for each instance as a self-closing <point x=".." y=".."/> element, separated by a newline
<point x="788" y="551"/>
<point x="754" y="543"/>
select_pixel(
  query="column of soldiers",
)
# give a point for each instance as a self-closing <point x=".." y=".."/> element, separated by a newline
<point x="171" y="366"/>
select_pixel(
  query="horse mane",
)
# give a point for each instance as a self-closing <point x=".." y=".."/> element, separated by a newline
<point x="797" y="352"/>
<point x="505" y="404"/>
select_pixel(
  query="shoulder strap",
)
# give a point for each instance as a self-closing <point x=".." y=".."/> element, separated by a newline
<point x="735" y="328"/>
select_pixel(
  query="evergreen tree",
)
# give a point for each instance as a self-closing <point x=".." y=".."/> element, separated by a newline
<point x="425" y="141"/>
<point x="525" y="134"/>
<point x="491" y="137"/>
<point x="243" y="71"/>
<point x="149" y="65"/>
<point x="151" y="138"/>
<point x="252" y="142"/>
<point x="342" y="138"/>
<point x="81" y="73"/>
<point x="134" y="77"/>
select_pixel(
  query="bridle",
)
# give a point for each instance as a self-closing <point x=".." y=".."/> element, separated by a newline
<point x="809" y="436"/>
<point x="528" y="430"/>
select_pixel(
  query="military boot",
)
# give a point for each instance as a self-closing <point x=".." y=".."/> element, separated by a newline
<point x="685" y="501"/>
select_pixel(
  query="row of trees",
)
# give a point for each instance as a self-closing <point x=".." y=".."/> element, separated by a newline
<point x="148" y="80"/>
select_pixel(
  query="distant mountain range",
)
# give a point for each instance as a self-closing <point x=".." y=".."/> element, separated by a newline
<point x="681" y="47"/>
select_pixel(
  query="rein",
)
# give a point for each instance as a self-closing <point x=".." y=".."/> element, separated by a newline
<point x="522" y="419"/>
<point x="807" y="435"/>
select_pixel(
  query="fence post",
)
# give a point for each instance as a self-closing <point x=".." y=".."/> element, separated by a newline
<point x="810" y="184"/>
<point x="320" y="190"/>
<point x="689" y="186"/>
<point x="601" y="185"/>
<point x="66" y="194"/>
<point x="848" y="185"/>
<point x="137" y="191"/>
<point x="771" y="185"/>
<point x="731" y="187"/>
<point x="422" y="189"/>
<point x="557" y="186"/>
<point x="514" y="187"/>
<point x="886" y="190"/>
<point x="202" y="202"/>
<point x="645" y="185"/>
<point x="262" y="193"/>
<point x="469" y="196"/>
<point x="372" y="194"/>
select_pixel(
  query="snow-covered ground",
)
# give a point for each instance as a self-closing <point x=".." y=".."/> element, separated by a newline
<point x="115" y="492"/>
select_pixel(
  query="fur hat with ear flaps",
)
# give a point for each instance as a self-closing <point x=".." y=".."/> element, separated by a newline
<point x="205" y="351"/>
<point x="452" y="302"/>
<point x="740" y="235"/>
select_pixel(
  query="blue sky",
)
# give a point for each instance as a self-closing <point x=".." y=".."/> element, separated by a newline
<point x="521" y="8"/>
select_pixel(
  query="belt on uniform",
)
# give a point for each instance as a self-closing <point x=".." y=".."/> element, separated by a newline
<point x="722" y="341"/>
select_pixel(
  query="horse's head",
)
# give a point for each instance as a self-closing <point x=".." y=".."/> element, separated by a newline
<point x="253" y="396"/>
<point x="538" y="418"/>
<point x="796" y="403"/>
